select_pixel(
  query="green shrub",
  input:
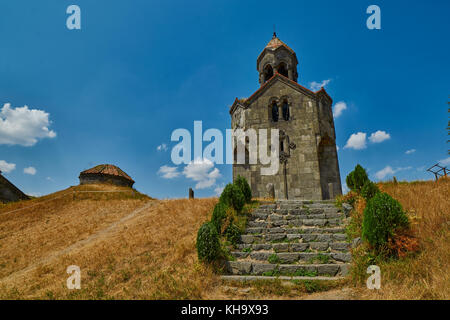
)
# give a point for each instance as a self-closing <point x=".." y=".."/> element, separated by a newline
<point x="233" y="234"/>
<point x="383" y="216"/>
<point x="369" y="190"/>
<point x="349" y="180"/>
<point x="208" y="245"/>
<point x="232" y="196"/>
<point x="357" y="178"/>
<point x="218" y="215"/>
<point x="242" y="183"/>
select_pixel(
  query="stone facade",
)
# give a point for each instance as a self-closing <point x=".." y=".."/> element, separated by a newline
<point x="9" y="192"/>
<point x="309" y="166"/>
<point x="104" y="179"/>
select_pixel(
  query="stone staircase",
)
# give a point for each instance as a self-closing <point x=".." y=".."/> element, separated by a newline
<point x="292" y="239"/>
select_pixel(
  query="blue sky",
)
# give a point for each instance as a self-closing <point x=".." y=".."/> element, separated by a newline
<point x="115" y="90"/>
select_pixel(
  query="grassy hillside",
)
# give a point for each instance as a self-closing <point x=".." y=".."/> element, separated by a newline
<point x="126" y="244"/>
<point x="425" y="275"/>
<point x="130" y="246"/>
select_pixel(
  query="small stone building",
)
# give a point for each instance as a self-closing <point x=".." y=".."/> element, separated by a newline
<point x="309" y="166"/>
<point x="106" y="173"/>
<point x="9" y="192"/>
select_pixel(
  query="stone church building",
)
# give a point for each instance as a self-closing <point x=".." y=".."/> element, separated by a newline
<point x="309" y="166"/>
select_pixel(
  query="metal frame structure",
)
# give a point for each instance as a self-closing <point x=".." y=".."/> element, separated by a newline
<point x="438" y="171"/>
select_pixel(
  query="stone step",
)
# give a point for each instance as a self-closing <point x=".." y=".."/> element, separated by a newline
<point x="263" y="233"/>
<point x="295" y="246"/>
<point x="294" y="257"/>
<point x="298" y="211"/>
<point x="296" y="238"/>
<point x="289" y="217"/>
<point x="306" y="202"/>
<point x="282" y="278"/>
<point x="270" y="217"/>
<point x="293" y="238"/>
<point x="270" y="269"/>
<point x="306" y="235"/>
<point x="254" y="226"/>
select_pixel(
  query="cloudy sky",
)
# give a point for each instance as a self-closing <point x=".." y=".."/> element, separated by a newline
<point x="114" y="91"/>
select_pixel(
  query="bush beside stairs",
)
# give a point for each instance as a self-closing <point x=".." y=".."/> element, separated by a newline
<point x="292" y="239"/>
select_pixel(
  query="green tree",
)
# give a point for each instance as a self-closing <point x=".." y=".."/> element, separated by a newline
<point x="242" y="183"/>
<point x="233" y="196"/>
<point x="383" y="216"/>
<point x="208" y="244"/>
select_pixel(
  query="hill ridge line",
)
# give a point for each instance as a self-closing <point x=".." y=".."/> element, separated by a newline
<point x="63" y="195"/>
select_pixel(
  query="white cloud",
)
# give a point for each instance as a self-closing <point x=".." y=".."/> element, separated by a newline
<point x="49" y="179"/>
<point x="445" y="162"/>
<point x="30" y="170"/>
<point x="356" y="141"/>
<point x="337" y="148"/>
<point x="339" y="108"/>
<point x="410" y="151"/>
<point x="379" y="136"/>
<point x="384" y="172"/>
<point x="203" y="172"/>
<point x="6" y="167"/>
<point x="317" y="85"/>
<point x="389" y="171"/>
<point x="23" y="126"/>
<point x="162" y="147"/>
<point x="168" y="172"/>
<point x="219" y="190"/>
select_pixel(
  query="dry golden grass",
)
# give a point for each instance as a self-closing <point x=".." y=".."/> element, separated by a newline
<point x="424" y="276"/>
<point x="148" y="255"/>
<point x="129" y="246"/>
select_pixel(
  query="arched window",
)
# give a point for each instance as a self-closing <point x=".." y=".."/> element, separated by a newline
<point x="275" y="112"/>
<point x="282" y="69"/>
<point x="268" y="72"/>
<point x="285" y="110"/>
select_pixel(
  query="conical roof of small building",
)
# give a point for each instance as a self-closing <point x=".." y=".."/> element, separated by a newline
<point x="275" y="43"/>
<point x="107" y="169"/>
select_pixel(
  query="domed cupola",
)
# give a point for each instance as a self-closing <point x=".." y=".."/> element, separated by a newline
<point x="277" y="57"/>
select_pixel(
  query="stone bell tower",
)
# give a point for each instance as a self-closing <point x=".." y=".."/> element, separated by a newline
<point x="277" y="57"/>
<point x="309" y="166"/>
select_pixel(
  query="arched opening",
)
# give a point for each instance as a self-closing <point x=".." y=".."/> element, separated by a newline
<point x="282" y="69"/>
<point x="268" y="72"/>
<point x="285" y="110"/>
<point x="327" y="164"/>
<point x="275" y="114"/>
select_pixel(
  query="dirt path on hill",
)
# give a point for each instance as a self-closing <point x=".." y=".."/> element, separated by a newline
<point x="81" y="243"/>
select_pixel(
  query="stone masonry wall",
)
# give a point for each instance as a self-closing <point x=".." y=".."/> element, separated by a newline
<point x="303" y="168"/>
